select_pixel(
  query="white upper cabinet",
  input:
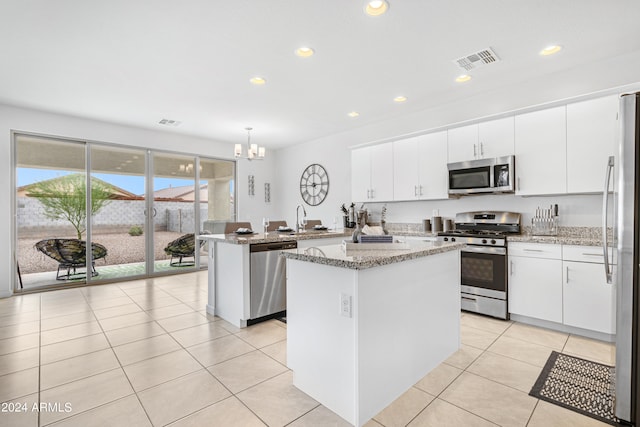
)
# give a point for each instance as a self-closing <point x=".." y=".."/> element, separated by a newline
<point x="496" y="138"/>
<point x="361" y="174"/>
<point x="420" y="167"/>
<point x="432" y="165"/>
<point x="406" y="177"/>
<point x="382" y="172"/>
<point x="463" y="143"/>
<point x="557" y="150"/>
<point x="540" y="149"/>
<point x="372" y="173"/>
<point x="493" y="138"/>
<point x="592" y="131"/>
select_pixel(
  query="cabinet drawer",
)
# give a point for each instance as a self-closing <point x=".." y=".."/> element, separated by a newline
<point x="583" y="254"/>
<point x="535" y="250"/>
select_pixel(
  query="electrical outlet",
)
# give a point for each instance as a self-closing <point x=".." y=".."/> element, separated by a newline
<point x="345" y="305"/>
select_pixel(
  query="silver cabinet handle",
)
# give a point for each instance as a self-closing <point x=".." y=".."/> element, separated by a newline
<point x="475" y="153"/>
<point x="368" y="193"/>
<point x="415" y="190"/>
<point x="567" y="281"/>
<point x="373" y="194"/>
<point x="511" y="274"/>
<point x="588" y="254"/>
<point x="608" y="271"/>
<point x="470" y="299"/>
<point x="533" y="250"/>
<point x="481" y="149"/>
<point x="420" y="189"/>
<point x="519" y="188"/>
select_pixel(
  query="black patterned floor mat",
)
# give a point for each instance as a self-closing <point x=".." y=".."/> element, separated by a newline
<point x="580" y="385"/>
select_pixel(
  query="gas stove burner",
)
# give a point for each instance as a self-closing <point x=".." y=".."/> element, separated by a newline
<point x="473" y="233"/>
<point x="483" y="228"/>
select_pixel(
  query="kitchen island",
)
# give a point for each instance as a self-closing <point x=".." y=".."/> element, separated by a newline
<point x="229" y="262"/>
<point x="364" y="326"/>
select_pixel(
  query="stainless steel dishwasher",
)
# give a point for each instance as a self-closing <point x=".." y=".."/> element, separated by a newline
<point x="268" y="279"/>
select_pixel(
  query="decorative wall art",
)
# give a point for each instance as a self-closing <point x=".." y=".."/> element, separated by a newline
<point x="252" y="185"/>
<point x="267" y="192"/>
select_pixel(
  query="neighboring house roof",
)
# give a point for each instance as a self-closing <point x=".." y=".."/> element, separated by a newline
<point x="182" y="193"/>
<point x="117" y="192"/>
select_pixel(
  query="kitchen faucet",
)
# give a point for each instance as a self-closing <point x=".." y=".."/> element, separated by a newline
<point x="304" y="212"/>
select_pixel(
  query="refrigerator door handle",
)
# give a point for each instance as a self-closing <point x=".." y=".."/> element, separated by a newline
<point x="605" y="210"/>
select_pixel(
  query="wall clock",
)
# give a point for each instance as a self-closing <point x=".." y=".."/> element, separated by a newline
<point x="314" y="184"/>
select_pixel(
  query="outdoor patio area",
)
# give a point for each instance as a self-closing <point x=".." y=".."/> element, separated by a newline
<point x="125" y="258"/>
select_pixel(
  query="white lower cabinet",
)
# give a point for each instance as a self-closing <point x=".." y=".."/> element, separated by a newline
<point x="589" y="302"/>
<point x="564" y="284"/>
<point x="535" y="286"/>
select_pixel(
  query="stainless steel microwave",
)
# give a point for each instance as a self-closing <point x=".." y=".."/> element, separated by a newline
<point x="496" y="175"/>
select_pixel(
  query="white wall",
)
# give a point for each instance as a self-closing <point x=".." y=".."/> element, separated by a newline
<point x="333" y="152"/>
<point x="26" y="120"/>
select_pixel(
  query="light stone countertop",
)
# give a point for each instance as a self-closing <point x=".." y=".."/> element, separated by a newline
<point x="556" y="240"/>
<point x="580" y="236"/>
<point x="274" y="236"/>
<point x="336" y="256"/>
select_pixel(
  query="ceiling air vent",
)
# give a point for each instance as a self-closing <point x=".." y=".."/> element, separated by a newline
<point x="168" y="122"/>
<point x="477" y="59"/>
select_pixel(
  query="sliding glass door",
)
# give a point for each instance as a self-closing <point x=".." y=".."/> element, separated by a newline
<point x="90" y="212"/>
<point x="118" y="205"/>
<point x="50" y="205"/>
<point x="174" y="212"/>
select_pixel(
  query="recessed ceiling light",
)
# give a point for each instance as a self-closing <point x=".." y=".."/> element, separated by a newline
<point x="463" y="78"/>
<point x="550" y="50"/>
<point x="257" y="80"/>
<point x="400" y="99"/>
<point x="376" y="7"/>
<point x="353" y="114"/>
<point x="304" y="52"/>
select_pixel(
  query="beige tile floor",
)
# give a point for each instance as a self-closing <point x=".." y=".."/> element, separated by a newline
<point x="144" y="353"/>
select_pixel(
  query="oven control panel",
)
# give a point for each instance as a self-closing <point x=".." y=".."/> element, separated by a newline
<point x="474" y="240"/>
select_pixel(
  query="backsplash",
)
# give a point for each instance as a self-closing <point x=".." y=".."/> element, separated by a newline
<point x="574" y="232"/>
<point x="579" y="232"/>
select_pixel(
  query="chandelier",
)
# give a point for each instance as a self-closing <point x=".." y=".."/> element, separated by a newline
<point x="253" y="151"/>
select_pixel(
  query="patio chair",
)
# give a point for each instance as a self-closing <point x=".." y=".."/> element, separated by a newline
<point x="71" y="254"/>
<point x="183" y="247"/>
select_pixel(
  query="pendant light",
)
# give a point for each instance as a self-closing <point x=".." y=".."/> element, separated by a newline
<point x="253" y="151"/>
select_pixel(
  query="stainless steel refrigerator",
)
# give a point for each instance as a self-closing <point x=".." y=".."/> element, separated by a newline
<point x="623" y="204"/>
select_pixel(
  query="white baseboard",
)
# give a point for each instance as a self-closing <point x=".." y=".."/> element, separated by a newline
<point x="6" y="293"/>
<point x="564" y="328"/>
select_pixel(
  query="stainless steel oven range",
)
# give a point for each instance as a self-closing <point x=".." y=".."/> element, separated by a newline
<point x="483" y="263"/>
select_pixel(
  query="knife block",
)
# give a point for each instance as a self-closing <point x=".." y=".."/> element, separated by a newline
<point x="541" y="226"/>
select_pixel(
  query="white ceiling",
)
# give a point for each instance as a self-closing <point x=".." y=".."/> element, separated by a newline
<point x="137" y="61"/>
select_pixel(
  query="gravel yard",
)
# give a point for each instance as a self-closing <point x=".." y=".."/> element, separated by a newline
<point x="121" y="249"/>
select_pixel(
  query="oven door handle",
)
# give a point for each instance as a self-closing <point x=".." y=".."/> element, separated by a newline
<point x="484" y="250"/>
